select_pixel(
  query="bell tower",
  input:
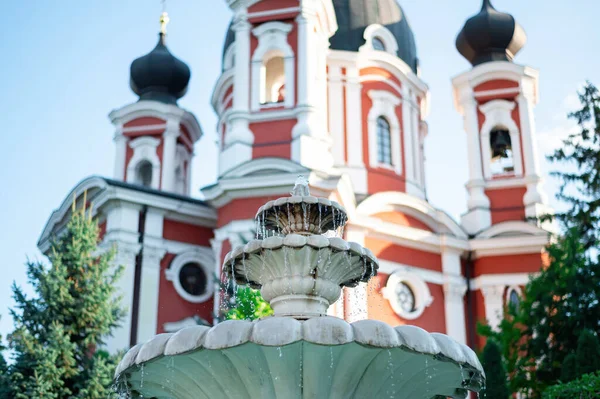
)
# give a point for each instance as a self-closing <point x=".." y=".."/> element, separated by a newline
<point x="154" y="136"/>
<point x="496" y="99"/>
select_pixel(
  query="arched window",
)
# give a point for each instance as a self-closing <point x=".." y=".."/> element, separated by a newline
<point x="514" y="299"/>
<point x="272" y="88"/>
<point x="143" y="174"/>
<point x="384" y="141"/>
<point x="502" y="153"/>
<point x="378" y="44"/>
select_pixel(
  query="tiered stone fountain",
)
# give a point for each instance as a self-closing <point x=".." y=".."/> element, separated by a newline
<point x="300" y="352"/>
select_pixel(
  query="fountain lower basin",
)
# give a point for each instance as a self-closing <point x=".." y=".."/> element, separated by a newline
<point x="281" y="357"/>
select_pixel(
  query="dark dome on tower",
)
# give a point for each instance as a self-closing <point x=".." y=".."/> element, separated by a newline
<point x="159" y="75"/>
<point x="490" y="35"/>
<point x="354" y="16"/>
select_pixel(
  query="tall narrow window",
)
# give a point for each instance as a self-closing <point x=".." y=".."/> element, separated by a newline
<point x="502" y="154"/>
<point x="384" y="148"/>
<point x="143" y="174"/>
<point x="272" y="80"/>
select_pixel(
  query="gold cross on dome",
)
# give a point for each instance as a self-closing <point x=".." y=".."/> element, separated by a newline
<point x="164" y="18"/>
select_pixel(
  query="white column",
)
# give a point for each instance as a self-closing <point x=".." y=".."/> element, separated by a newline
<point x="152" y="254"/>
<point x="494" y="304"/>
<point x="217" y="247"/>
<point x="305" y="77"/>
<point x="237" y="146"/>
<point x="336" y="113"/>
<point x="125" y="257"/>
<point x="416" y="188"/>
<point x="149" y="289"/>
<point x="534" y="194"/>
<point x="120" y="153"/>
<point x="122" y="221"/>
<point x="168" y="155"/>
<point x="354" y="145"/>
<point x="455" y="288"/>
<point x="479" y="216"/>
<point x="407" y="135"/>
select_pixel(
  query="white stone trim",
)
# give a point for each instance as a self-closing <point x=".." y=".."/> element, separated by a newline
<point x="382" y="33"/>
<point x="120" y="153"/>
<point x="508" y="279"/>
<point x="149" y="288"/>
<point x="517" y="245"/>
<point x="197" y="257"/>
<point x="512" y="228"/>
<point x="498" y="114"/>
<point x="158" y="110"/>
<point x="384" y="105"/>
<point x="379" y="78"/>
<point x="493" y="303"/>
<point x="272" y="37"/>
<point x="229" y="57"/>
<point x="421" y="292"/>
<point x="336" y="114"/>
<point x="353" y="105"/>
<point x="144" y="149"/>
<point x="272" y="13"/>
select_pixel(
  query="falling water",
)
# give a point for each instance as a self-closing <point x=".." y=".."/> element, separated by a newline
<point x="320" y="217"/>
<point x="233" y="285"/>
<point x="142" y="375"/>
<point x="277" y="221"/>
<point x="258" y="227"/>
<point x="393" y="381"/>
<point x="279" y="351"/>
<point x="290" y="221"/>
<point x="171" y="368"/>
<point x="305" y="215"/>
<point x="263" y="226"/>
<point x="244" y="267"/>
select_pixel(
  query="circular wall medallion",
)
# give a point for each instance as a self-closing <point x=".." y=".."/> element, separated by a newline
<point x="191" y="276"/>
<point x="408" y="294"/>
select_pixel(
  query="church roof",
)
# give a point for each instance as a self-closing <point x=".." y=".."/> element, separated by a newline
<point x="354" y="16"/>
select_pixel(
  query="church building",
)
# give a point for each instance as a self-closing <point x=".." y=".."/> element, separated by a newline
<point x="331" y="90"/>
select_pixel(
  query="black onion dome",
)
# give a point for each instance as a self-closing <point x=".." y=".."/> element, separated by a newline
<point x="159" y="76"/>
<point x="354" y="16"/>
<point x="490" y="35"/>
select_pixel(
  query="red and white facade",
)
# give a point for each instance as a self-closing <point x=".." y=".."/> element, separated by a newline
<point x="353" y="122"/>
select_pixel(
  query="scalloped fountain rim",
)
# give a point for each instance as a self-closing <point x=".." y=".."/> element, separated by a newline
<point x="295" y="199"/>
<point x="280" y="331"/>
<point x="299" y="241"/>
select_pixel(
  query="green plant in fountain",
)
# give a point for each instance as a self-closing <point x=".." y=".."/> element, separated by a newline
<point x="250" y="305"/>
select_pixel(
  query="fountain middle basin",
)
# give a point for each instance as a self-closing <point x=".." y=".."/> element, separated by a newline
<point x="322" y="357"/>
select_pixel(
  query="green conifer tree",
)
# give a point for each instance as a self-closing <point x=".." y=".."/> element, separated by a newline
<point x="588" y="353"/>
<point x="74" y="308"/>
<point x="569" y="368"/>
<point x="4" y="377"/>
<point x="496" y="379"/>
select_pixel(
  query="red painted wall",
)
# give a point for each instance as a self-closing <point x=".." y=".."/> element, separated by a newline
<point x="433" y="318"/>
<point x="381" y="72"/>
<point x="240" y="209"/>
<point x="188" y="233"/>
<point x="273" y="139"/>
<point x="408" y="256"/>
<point x="507" y="204"/>
<point x="502" y="264"/>
<point x="496" y="84"/>
<point x="144" y="121"/>
<point x="171" y="306"/>
<point x="269" y="5"/>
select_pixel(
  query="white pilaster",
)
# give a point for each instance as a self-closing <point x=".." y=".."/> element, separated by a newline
<point x="407" y="135"/>
<point x="494" y="305"/>
<point x="120" y="153"/>
<point x="455" y="288"/>
<point x="168" y="155"/>
<point x="122" y="221"/>
<point x="354" y="146"/>
<point x="217" y="247"/>
<point x="336" y="114"/>
<point x="534" y="197"/>
<point x="152" y="254"/>
<point x="478" y="216"/>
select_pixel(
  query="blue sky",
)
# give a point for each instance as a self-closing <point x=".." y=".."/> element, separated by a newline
<point x="65" y="67"/>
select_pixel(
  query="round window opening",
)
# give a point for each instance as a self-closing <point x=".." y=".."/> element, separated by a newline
<point x="378" y="44"/>
<point x="193" y="279"/>
<point x="406" y="297"/>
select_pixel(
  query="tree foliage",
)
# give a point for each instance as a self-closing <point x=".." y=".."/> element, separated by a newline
<point x="563" y="301"/>
<point x="586" y="387"/>
<point x="249" y="305"/>
<point x="496" y="383"/>
<point x="58" y="330"/>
